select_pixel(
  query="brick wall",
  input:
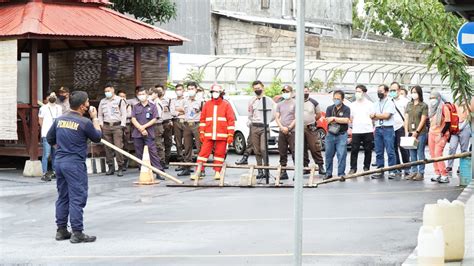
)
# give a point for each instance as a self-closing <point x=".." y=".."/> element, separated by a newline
<point x="241" y="38"/>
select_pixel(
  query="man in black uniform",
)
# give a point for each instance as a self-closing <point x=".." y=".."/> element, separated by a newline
<point x="70" y="133"/>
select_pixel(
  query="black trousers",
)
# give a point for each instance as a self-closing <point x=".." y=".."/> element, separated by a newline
<point x="404" y="152"/>
<point x="367" y="141"/>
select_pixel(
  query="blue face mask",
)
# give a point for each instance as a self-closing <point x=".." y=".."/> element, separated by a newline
<point x="286" y="95"/>
<point x="337" y="102"/>
<point x="108" y="94"/>
<point x="393" y="94"/>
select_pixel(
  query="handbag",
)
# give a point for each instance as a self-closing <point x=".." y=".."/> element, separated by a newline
<point x="334" y="128"/>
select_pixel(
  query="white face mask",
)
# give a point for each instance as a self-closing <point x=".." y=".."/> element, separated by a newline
<point x="142" y="98"/>
<point x="191" y="93"/>
<point x="414" y="96"/>
<point x="216" y="95"/>
<point x="286" y="95"/>
<point x="179" y="93"/>
<point x="358" y="96"/>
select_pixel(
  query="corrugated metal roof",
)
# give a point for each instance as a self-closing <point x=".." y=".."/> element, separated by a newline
<point x="51" y="19"/>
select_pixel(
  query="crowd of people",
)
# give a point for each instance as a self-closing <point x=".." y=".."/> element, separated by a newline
<point x="153" y="119"/>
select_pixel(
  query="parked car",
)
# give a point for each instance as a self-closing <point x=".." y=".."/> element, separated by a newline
<point x="240" y="105"/>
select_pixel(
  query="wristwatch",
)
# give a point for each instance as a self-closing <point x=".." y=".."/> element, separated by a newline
<point x="417" y="132"/>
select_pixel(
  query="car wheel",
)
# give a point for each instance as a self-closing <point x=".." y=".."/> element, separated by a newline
<point x="239" y="143"/>
<point x="322" y="136"/>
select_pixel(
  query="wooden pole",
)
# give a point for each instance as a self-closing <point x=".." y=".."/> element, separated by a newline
<point x="240" y="166"/>
<point x="45" y="69"/>
<point x="397" y="167"/>
<point x="34" y="124"/>
<point x="137" y="58"/>
<point x="154" y="169"/>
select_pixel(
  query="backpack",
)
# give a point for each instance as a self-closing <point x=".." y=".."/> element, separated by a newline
<point x="454" y="128"/>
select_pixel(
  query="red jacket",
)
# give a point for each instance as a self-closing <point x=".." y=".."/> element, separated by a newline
<point x="217" y="120"/>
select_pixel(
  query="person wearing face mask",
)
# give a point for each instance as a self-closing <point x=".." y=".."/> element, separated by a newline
<point x="192" y="111"/>
<point x="416" y="115"/>
<point x="154" y="97"/>
<point x="216" y="129"/>
<point x="362" y="128"/>
<point x="63" y="99"/>
<point x="144" y="116"/>
<point x="256" y="122"/>
<point x="178" y="122"/>
<point x="48" y="113"/>
<point x="400" y="106"/>
<point x="113" y="119"/>
<point x="311" y="114"/>
<point x="338" y="118"/>
<point x="285" y="118"/>
<point x="71" y="132"/>
<point x="438" y="135"/>
<point x="127" y="129"/>
<point x="383" y="118"/>
<point x="403" y="93"/>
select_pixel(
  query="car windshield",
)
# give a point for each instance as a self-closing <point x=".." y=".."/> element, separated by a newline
<point x="241" y="106"/>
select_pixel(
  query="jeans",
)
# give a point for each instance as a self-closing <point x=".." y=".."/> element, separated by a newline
<point x="419" y="154"/>
<point x="336" y="144"/>
<point x="462" y="139"/>
<point x="384" y="138"/>
<point x="47" y="151"/>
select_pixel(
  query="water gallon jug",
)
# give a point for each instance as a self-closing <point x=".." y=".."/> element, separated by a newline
<point x="465" y="171"/>
<point x="430" y="246"/>
<point x="450" y="216"/>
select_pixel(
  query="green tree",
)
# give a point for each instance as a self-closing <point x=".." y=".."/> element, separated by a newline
<point x="150" y="11"/>
<point x="427" y="22"/>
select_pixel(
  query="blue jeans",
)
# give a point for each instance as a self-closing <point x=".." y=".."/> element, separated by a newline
<point x="384" y="138"/>
<point x="47" y="150"/>
<point x="336" y="144"/>
<point x="419" y="154"/>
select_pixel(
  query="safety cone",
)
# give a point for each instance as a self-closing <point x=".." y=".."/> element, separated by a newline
<point x="146" y="175"/>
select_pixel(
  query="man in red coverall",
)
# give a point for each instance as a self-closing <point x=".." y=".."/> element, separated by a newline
<point x="216" y="128"/>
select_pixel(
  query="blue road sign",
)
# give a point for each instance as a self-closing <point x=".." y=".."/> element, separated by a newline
<point x="466" y="39"/>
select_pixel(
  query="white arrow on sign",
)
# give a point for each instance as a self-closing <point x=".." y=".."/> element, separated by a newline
<point x="467" y="38"/>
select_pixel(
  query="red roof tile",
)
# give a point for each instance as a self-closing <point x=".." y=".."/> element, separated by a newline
<point x="52" y="19"/>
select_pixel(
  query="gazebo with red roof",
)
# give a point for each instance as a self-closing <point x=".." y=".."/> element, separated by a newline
<point x="78" y="29"/>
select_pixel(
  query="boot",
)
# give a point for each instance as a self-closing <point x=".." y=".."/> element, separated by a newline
<point x="185" y="172"/>
<point x="321" y="169"/>
<point x="111" y="170"/>
<point x="62" y="234"/>
<point x="120" y="171"/>
<point x="243" y="160"/>
<point x="80" y="237"/>
<point x="260" y="175"/>
<point x="125" y="164"/>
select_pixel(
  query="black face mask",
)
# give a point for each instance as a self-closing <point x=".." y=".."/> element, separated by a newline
<point x="52" y="99"/>
<point x="258" y="92"/>
<point x="381" y="95"/>
<point x="306" y="96"/>
<point x="61" y="98"/>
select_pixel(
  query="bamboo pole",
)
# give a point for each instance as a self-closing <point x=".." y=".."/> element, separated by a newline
<point x="291" y="168"/>
<point x="154" y="169"/>
<point x="397" y="167"/>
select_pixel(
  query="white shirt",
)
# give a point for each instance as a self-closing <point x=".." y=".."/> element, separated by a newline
<point x="401" y="103"/>
<point x="49" y="112"/>
<point x="360" y="116"/>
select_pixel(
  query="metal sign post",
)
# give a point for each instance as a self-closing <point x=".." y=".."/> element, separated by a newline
<point x="299" y="136"/>
<point x="265" y="124"/>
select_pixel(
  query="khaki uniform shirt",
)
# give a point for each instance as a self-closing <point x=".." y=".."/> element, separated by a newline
<point x="256" y="110"/>
<point x="112" y="110"/>
<point x="192" y="110"/>
<point x="168" y="108"/>
<point x="178" y="103"/>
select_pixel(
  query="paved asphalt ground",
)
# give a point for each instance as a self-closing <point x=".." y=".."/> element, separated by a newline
<point x="359" y="221"/>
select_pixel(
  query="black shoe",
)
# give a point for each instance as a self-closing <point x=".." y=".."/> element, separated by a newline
<point x="306" y="172"/>
<point x="243" y="160"/>
<point x="52" y="175"/>
<point x="284" y="176"/>
<point x="120" y="172"/>
<point x="166" y="167"/>
<point x="111" y="170"/>
<point x="377" y="176"/>
<point x="159" y="177"/>
<point x="79" y="237"/>
<point x="352" y="171"/>
<point x="321" y="169"/>
<point x="374" y="164"/>
<point x="342" y="178"/>
<point x="46" y="178"/>
<point x="327" y="177"/>
<point x="185" y="172"/>
<point x="366" y="169"/>
<point x="62" y="234"/>
<point x="125" y="164"/>
<point x="180" y="168"/>
<point x="260" y="175"/>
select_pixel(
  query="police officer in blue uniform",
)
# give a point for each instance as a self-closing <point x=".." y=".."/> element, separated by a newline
<point x="70" y="132"/>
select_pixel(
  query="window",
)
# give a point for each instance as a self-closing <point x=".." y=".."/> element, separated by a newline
<point x="265" y="4"/>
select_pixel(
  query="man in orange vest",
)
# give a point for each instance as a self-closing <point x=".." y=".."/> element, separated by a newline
<point x="216" y="128"/>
